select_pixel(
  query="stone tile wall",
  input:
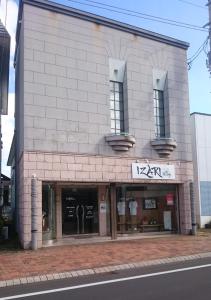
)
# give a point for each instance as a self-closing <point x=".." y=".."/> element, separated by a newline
<point x="66" y="86"/>
<point x="64" y="168"/>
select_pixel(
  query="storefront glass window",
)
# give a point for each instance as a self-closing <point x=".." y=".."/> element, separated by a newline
<point x="147" y="208"/>
<point x="48" y="212"/>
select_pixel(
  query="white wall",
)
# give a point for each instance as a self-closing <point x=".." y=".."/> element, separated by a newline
<point x="201" y="127"/>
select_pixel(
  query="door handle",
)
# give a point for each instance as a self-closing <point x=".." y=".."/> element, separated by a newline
<point x="77" y="216"/>
<point x="83" y="213"/>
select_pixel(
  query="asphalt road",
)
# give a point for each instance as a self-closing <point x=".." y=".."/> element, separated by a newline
<point x="186" y="281"/>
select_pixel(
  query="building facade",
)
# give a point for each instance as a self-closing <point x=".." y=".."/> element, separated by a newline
<point x="201" y="124"/>
<point x="4" y="83"/>
<point x="102" y="120"/>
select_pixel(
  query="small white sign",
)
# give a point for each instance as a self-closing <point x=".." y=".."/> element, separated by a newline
<point x="153" y="171"/>
<point x="103" y="207"/>
<point x="167" y="220"/>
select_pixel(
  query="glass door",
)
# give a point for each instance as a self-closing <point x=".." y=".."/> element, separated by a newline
<point x="79" y="211"/>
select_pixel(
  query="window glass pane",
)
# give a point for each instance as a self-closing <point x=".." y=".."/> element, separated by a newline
<point x="113" y="130"/>
<point x="117" y="124"/>
<point x="112" y="104"/>
<point x="111" y="95"/>
<point x="162" y="132"/>
<point x="117" y="114"/>
<point x="161" y="112"/>
<point x="122" y="125"/>
<point x="161" y="104"/>
<point x="117" y="96"/>
<point x="116" y="87"/>
<point x="121" y="88"/>
<point x="156" y="102"/>
<point x="161" y="121"/>
<point x="112" y="114"/>
<point x="117" y="105"/>
<point x="111" y="86"/>
<point x="160" y="95"/>
<point x="112" y="123"/>
<point x="121" y="98"/>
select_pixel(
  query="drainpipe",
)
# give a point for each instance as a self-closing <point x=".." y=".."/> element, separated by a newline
<point x="193" y="211"/>
<point x="33" y="213"/>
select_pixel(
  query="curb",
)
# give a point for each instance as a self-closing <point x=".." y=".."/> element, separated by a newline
<point x="77" y="273"/>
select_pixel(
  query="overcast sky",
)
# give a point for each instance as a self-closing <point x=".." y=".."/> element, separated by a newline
<point x="187" y="11"/>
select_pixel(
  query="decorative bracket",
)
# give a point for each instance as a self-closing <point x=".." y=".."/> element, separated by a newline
<point x="120" y="142"/>
<point x="164" y="146"/>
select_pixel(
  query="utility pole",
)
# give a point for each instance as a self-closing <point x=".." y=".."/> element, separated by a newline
<point x="209" y="25"/>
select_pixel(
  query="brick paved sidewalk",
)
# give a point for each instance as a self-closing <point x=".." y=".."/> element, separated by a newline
<point x="77" y="257"/>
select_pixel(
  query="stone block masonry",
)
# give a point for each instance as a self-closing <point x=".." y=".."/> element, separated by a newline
<point x="89" y="169"/>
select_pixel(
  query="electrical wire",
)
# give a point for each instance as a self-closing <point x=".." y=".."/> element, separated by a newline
<point x="193" y="4"/>
<point x="203" y="47"/>
<point x="140" y="15"/>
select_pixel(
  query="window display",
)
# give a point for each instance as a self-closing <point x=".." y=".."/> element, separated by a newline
<point x="142" y="208"/>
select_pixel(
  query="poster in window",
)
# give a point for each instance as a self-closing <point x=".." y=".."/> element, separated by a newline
<point x="170" y="199"/>
<point x="150" y="203"/>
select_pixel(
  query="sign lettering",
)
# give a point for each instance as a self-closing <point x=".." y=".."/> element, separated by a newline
<point x="153" y="171"/>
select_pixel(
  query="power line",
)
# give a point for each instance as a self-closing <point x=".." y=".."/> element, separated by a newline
<point x="203" y="47"/>
<point x="199" y="49"/>
<point x="140" y="15"/>
<point x="193" y="4"/>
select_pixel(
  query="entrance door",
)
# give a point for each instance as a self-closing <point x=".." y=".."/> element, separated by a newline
<point x="79" y="211"/>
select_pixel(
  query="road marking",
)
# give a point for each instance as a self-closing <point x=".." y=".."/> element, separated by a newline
<point x="104" y="282"/>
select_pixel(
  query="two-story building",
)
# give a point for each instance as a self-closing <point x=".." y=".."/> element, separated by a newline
<point x="102" y="120"/>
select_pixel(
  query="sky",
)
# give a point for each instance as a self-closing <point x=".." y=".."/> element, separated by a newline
<point x="188" y="11"/>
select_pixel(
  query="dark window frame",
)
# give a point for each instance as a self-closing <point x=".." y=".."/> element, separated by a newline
<point x="159" y="113"/>
<point x="116" y="107"/>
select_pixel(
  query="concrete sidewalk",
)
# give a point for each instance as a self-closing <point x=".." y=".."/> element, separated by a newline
<point x="43" y="264"/>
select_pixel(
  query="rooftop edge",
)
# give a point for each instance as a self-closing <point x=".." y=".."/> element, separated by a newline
<point x="63" y="9"/>
<point x="199" y="113"/>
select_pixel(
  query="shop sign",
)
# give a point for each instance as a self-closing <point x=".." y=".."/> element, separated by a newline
<point x="103" y="207"/>
<point x="170" y="199"/>
<point x="153" y="171"/>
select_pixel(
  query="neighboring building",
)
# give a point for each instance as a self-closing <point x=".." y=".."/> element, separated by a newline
<point x="201" y="126"/>
<point x="6" y="189"/>
<point x="102" y="119"/>
<point x="4" y="83"/>
<point x="8" y="207"/>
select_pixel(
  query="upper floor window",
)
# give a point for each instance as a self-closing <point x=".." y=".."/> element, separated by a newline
<point x="116" y="107"/>
<point x="159" y="115"/>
